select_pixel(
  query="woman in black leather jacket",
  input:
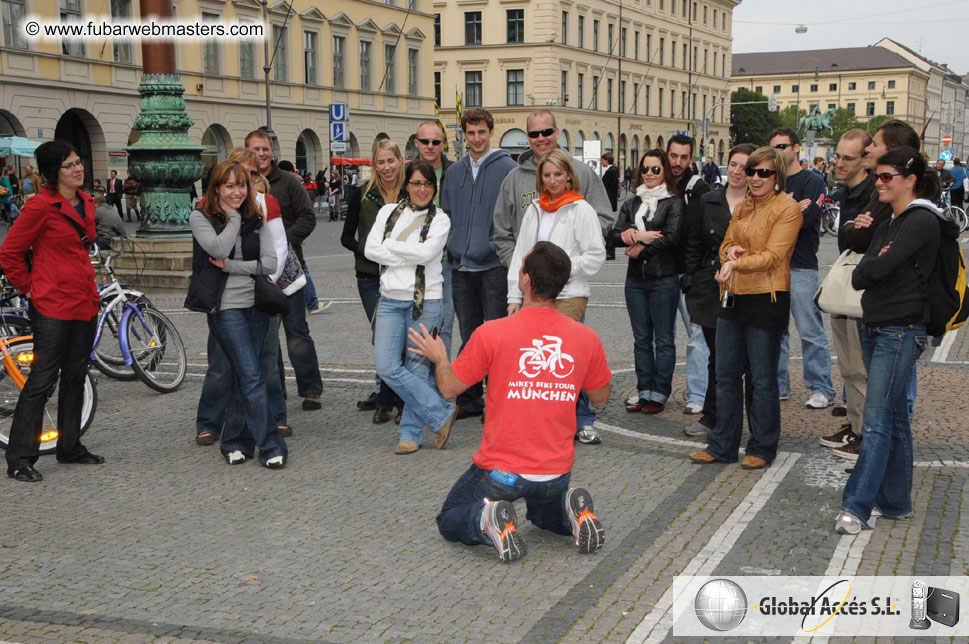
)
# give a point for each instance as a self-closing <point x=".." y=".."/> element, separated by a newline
<point x="649" y="227"/>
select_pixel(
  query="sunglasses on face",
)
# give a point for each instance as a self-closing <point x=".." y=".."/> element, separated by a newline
<point x="430" y="141"/>
<point x="655" y="169"/>
<point x="782" y="146"/>
<point x="763" y="173"/>
<point x="534" y="134"/>
<point x="886" y="177"/>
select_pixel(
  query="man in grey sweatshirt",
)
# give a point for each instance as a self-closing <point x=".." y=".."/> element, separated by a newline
<point x="518" y="189"/>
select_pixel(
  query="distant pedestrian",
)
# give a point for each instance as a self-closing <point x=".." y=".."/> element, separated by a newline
<point x="132" y="190"/>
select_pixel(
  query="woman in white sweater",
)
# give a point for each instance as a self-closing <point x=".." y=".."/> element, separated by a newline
<point x="407" y="240"/>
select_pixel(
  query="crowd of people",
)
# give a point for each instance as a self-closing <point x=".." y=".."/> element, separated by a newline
<point x="507" y="248"/>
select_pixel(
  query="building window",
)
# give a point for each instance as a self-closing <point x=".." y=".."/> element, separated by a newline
<point x="714" y="18"/>
<point x="608" y="94"/>
<point x="516" y="25"/>
<point x="647" y="90"/>
<point x="516" y="86"/>
<point x="595" y="92"/>
<point x="759" y="89"/>
<point x="581" y="31"/>
<point x="13" y="13"/>
<point x="472" y="89"/>
<point x="247" y="59"/>
<point x="890" y="108"/>
<point x="472" y="27"/>
<point x="366" y="64"/>
<point x="564" y="90"/>
<point x="869" y="109"/>
<point x="851" y="106"/>
<point x="309" y="58"/>
<point x="437" y="30"/>
<point x="437" y="89"/>
<point x="871" y="84"/>
<point x="795" y="88"/>
<point x="581" y="89"/>
<point x="662" y="46"/>
<point x="622" y="97"/>
<point x="814" y="87"/>
<point x="595" y="35"/>
<point x="832" y="106"/>
<point x="120" y="10"/>
<point x="852" y="85"/>
<point x="565" y="27"/>
<point x="611" y="34"/>
<point x="649" y="47"/>
<point x="412" y="70"/>
<point x="622" y="42"/>
<point x="390" y="73"/>
<point x="777" y="89"/>
<point x="891" y="84"/>
<point x="280" y="71"/>
<point x="660" y="102"/>
<point x="339" y="44"/>
<point x="635" y="97"/>
<point x="704" y="15"/>
<point x="71" y="12"/>
<point x="636" y="45"/>
<point x="673" y="55"/>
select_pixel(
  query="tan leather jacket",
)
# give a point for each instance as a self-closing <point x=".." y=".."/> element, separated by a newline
<point x="767" y="229"/>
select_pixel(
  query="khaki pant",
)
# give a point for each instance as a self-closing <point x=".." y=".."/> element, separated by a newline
<point x="573" y="307"/>
<point x="851" y="362"/>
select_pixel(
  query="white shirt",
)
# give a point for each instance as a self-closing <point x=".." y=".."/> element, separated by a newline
<point x="476" y="165"/>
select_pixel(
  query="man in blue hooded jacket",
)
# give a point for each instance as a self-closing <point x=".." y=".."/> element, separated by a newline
<point x="479" y="282"/>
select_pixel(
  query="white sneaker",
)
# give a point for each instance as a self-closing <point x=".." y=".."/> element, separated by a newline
<point x="235" y="458"/>
<point x="275" y="462"/>
<point x="693" y="408"/>
<point x="847" y="523"/>
<point x="632" y="400"/>
<point x="322" y="306"/>
<point x="819" y="401"/>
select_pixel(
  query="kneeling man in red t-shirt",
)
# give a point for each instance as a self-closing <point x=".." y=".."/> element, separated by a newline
<point x="536" y="362"/>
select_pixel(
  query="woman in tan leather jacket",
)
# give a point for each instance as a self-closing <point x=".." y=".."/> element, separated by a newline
<point x="755" y="283"/>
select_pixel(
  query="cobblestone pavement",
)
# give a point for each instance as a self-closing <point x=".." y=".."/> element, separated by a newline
<point x="166" y="543"/>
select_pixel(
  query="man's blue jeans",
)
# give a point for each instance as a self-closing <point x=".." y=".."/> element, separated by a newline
<point x="411" y="376"/>
<point x="697" y="356"/>
<point x="217" y="384"/>
<point x="814" y="342"/>
<point x="249" y="422"/>
<point x="479" y="296"/>
<point x="309" y="291"/>
<point x="740" y="346"/>
<point x="369" y="290"/>
<point x="651" y="305"/>
<point x="300" y="347"/>
<point x="446" y="328"/>
<point x="460" y="518"/>
<point x="882" y="475"/>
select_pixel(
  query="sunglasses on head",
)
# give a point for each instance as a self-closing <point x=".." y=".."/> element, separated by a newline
<point x="655" y="169"/>
<point x="763" y="173"/>
<point x="886" y="177"/>
<point x="534" y="134"/>
<point x="430" y="141"/>
<point x="782" y="146"/>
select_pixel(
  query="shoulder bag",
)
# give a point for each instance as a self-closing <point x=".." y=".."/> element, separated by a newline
<point x="836" y="295"/>
<point x="268" y="297"/>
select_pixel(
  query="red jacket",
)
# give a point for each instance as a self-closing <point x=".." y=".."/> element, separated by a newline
<point x="61" y="284"/>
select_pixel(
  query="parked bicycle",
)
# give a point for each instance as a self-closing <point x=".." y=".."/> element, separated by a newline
<point x="953" y="213"/>
<point x="830" y="214"/>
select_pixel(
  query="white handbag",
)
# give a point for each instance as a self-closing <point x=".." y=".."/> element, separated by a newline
<point x="836" y="295"/>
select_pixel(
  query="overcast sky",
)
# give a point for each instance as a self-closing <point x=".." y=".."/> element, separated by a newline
<point x="938" y="30"/>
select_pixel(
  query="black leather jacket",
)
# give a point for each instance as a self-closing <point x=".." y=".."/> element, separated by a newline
<point x="701" y="290"/>
<point x="658" y="259"/>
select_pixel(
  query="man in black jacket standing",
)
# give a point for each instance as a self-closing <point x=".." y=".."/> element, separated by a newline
<point x="299" y="221"/>
<point x="610" y="181"/>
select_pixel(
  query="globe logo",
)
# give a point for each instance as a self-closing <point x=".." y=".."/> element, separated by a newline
<point x="720" y="605"/>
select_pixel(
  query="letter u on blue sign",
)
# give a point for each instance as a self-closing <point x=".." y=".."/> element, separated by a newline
<point x="338" y="112"/>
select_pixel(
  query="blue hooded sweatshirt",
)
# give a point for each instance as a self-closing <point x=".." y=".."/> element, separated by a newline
<point x="471" y="206"/>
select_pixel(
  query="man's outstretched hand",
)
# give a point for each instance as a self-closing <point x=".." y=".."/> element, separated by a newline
<point x="427" y="345"/>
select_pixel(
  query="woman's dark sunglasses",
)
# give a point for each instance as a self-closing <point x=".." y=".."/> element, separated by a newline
<point x="886" y="177"/>
<point x="655" y="169"/>
<point x="763" y="173"/>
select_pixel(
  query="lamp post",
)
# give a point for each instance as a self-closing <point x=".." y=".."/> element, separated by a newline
<point x="817" y="75"/>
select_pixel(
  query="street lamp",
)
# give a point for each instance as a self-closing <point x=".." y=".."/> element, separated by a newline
<point x="817" y="75"/>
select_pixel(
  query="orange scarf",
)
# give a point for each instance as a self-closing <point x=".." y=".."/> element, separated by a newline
<point x="552" y="206"/>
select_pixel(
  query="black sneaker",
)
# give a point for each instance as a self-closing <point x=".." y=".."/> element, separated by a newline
<point x="369" y="403"/>
<point x="25" y="473"/>
<point x="501" y="527"/>
<point x="840" y="438"/>
<point x="586" y="528"/>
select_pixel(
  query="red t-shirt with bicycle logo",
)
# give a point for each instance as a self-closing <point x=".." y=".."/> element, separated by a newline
<point x="536" y="361"/>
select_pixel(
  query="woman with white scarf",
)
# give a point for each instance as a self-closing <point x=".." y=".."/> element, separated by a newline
<point x="649" y="226"/>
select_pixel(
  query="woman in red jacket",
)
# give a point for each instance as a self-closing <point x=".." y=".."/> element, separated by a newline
<point x="63" y="307"/>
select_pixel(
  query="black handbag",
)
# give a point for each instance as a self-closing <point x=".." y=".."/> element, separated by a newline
<point x="268" y="297"/>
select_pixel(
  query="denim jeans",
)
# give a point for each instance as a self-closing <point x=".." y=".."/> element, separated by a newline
<point x="697" y="356"/>
<point x="60" y="347"/>
<point x="741" y="346"/>
<point x="479" y="296"/>
<point x="217" y="384"/>
<point x="321" y="200"/>
<point x="369" y="290"/>
<point x="410" y="376"/>
<point x="309" y="290"/>
<point x="913" y="386"/>
<point x="300" y="346"/>
<point x="460" y="518"/>
<point x="651" y="305"/>
<point x="814" y="342"/>
<point x="882" y="475"/>
<point x="249" y="422"/>
<point x="446" y="328"/>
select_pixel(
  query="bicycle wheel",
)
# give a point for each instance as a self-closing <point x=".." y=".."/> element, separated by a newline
<point x="22" y="352"/>
<point x="108" y="357"/>
<point x="158" y="355"/>
<point x="12" y="326"/>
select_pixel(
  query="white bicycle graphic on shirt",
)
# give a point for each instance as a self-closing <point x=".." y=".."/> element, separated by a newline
<point x="546" y="356"/>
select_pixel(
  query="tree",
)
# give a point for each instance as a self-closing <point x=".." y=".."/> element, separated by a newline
<point x="750" y="123"/>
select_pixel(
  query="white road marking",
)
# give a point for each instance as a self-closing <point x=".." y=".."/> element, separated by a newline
<point x="941" y="353"/>
<point x="657" y="624"/>
<point x="646" y="437"/>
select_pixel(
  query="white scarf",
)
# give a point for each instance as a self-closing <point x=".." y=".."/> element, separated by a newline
<point x="650" y="198"/>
